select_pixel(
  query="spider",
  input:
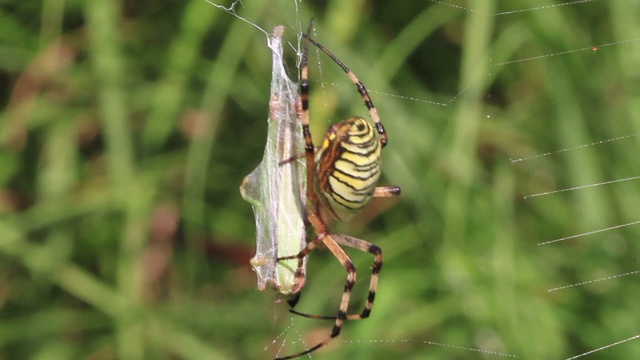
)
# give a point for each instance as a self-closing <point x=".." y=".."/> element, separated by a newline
<point x="341" y="179"/>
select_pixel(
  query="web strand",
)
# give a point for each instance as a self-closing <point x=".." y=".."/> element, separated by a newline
<point x="605" y="347"/>
<point x="581" y="187"/>
<point x="594" y="281"/>
<point x="589" y="233"/>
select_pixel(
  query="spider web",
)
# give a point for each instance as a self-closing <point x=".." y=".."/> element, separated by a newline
<point x="529" y="162"/>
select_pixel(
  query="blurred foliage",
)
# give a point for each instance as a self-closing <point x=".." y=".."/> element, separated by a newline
<point x="128" y="126"/>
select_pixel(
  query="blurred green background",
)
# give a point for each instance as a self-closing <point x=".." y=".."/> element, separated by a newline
<point x="127" y="127"/>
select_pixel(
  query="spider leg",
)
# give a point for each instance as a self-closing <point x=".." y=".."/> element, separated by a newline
<point x="295" y="157"/>
<point x="302" y="110"/>
<point x="302" y="113"/>
<point x="375" y="270"/>
<point x="299" y="275"/>
<point x="375" y="275"/>
<point x="386" y="191"/>
<point x="292" y="159"/>
<point x="361" y="89"/>
<point x="293" y="300"/>
<point x="344" y="259"/>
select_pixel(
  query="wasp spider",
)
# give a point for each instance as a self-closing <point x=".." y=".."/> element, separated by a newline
<point x="341" y="179"/>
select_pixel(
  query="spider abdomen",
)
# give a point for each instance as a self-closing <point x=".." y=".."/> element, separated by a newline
<point x="348" y="167"/>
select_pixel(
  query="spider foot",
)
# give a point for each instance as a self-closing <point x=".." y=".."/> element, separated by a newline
<point x="293" y="300"/>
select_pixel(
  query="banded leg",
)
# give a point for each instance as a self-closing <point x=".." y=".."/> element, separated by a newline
<point x="386" y="191"/>
<point x="302" y="112"/>
<point x="344" y="259"/>
<point x="361" y="89"/>
<point x="373" y="283"/>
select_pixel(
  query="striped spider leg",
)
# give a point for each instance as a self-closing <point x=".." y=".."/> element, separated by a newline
<point x="341" y="179"/>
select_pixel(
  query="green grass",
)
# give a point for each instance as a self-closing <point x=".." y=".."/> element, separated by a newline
<point x="127" y="130"/>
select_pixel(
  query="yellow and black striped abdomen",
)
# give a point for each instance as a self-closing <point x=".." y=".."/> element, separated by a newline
<point x="348" y="167"/>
